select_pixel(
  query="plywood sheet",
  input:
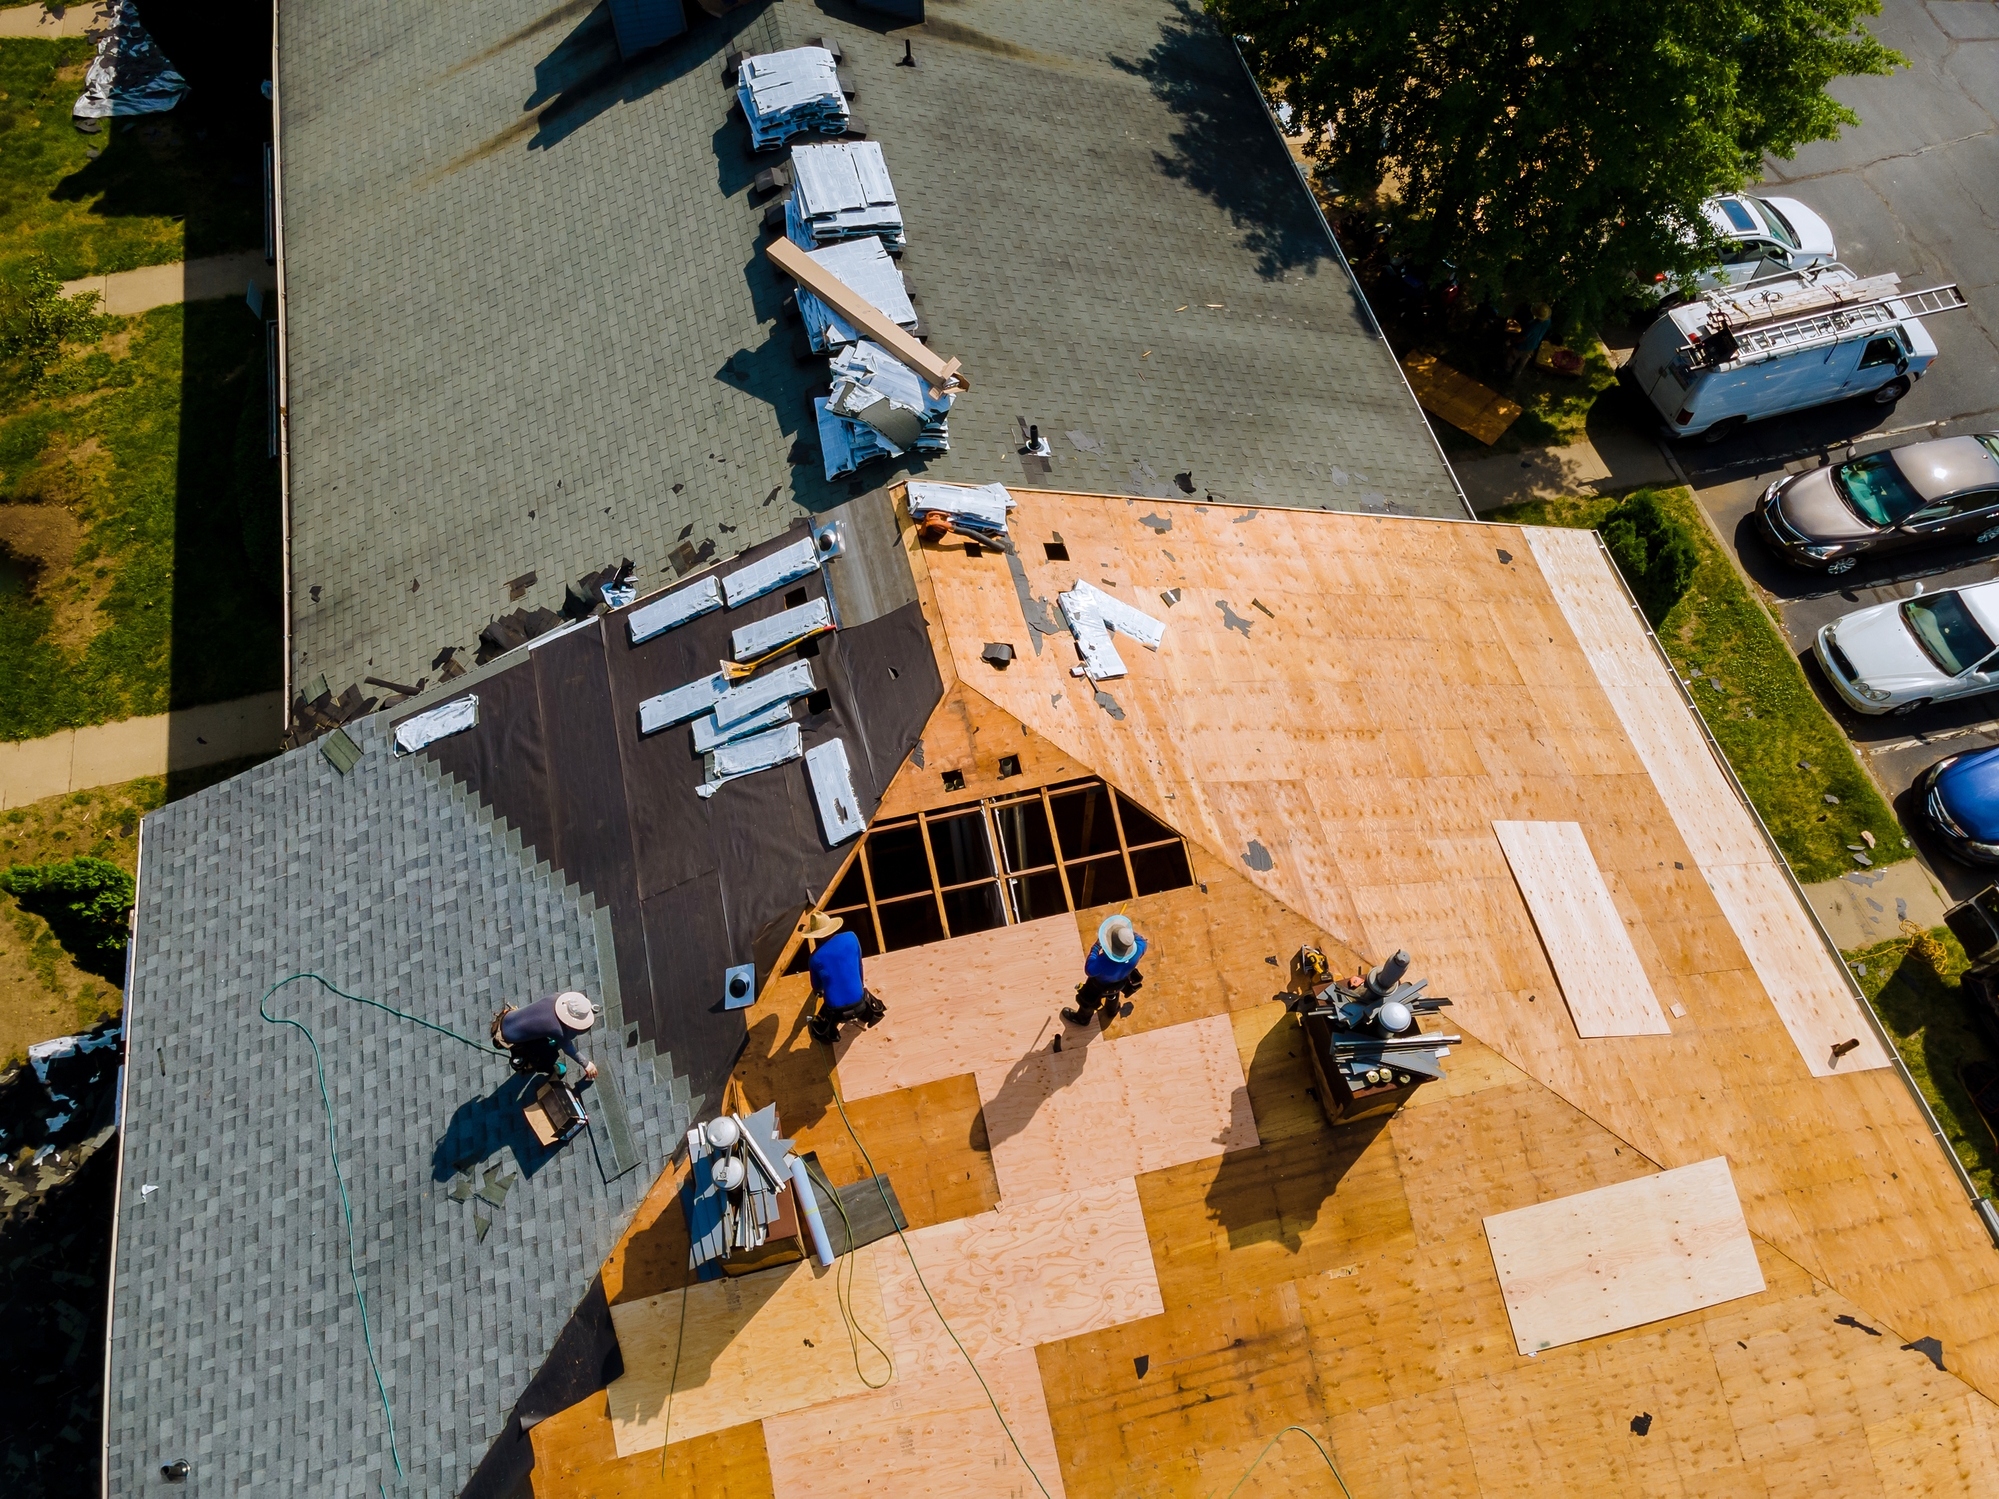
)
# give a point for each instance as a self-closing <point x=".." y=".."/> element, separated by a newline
<point x="1593" y="958"/>
<point x="753" y="1346"/>
<point x="1624" y="1255"/>
<point x="973" y="1004"/>
<point x="1033" y="1272"/>
<point x="1813" y="996"/>
<point x="933" y="1435"/>
<point x="1459" y="399"/>
<point x="1104" y="1108"/>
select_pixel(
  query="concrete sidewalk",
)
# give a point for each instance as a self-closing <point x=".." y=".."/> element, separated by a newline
<point x="1870" y="905"/>
<point x="50" y="22"/>
<point x="1615" y="462"/>
<point x="125" y="293"/>
<point x="106" y="754"/>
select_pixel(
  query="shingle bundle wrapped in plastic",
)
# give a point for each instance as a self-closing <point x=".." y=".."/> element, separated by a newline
<point x="840" y="190"/>
<point x="980" y="507"/>
<point x="871" y="385"/>
<point x="864" y="265"/>
<point x="791" y="93"/>
<point x="846" y="445"/>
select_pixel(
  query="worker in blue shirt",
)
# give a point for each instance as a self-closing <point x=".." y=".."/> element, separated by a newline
<point x="1109" y="973"/>
<point x="536" y="1032"/>
<point x="836" y="979"/>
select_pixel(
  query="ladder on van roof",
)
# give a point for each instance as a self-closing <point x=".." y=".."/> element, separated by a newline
<point x="1832" y="324"/>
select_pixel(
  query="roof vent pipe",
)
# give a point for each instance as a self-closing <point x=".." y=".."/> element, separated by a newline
<point x="1381" y="983"/>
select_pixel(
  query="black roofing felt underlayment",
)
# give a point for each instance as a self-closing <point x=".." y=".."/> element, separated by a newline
<point x="531" y="328"/>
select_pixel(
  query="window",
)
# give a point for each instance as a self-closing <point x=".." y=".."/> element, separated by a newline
<point x="1737" y="215"/>
<point x="1945" y="630"/>
<point x="1874" y="489"/>
<point x="1881" y="351"/>
<point x="1001" y="861"/>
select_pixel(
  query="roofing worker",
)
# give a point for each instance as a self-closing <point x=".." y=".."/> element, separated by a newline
<point x="836" y="979"/>
<point x="536" y="1033"/>
<point x="1109" y="973"/>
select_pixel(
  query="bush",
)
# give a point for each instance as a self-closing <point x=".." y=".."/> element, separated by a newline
<point x="1653" y="551"/>
<point x="87" y="903"/>
<point x="36" y="319"/>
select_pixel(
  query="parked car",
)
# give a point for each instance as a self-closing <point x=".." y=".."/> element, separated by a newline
<point x="1741" y="353"/>
<point x="1959" y="797"/>
<point x="1767" y="237"/>
<point x="1828" y="518"/>
<point x="1905" y="654"/>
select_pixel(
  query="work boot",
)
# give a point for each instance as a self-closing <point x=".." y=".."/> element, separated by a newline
<point x="823" y="1030"/>
<point x="1077" y="1017"/>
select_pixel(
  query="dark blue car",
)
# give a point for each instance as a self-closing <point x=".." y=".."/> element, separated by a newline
<point x="1960" y="801"/>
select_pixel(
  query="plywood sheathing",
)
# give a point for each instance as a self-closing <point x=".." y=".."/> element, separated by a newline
<point x="1582" y="931"/>
<point x="575" y="1458"/>
<point x="1600" y="1261"/>
<point x="934" y="1434"/>
<point x="1107" y="1107"/>
<point x="967" y="734"/>
<point x="1810" y="991"/>
<point x="743" y="1348"/>
<point x="1414" y="682"/>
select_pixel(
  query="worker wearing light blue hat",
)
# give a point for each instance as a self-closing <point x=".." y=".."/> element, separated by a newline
<point x="1109" y="973"/>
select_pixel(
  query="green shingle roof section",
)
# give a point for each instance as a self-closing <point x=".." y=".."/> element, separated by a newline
<point x="530" y="325"/>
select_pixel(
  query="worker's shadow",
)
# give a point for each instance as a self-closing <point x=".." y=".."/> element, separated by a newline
<point x="484" y="1127"/>
<point x="1032" y="1080"/>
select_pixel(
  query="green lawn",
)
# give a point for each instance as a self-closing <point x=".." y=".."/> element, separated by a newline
<point x="155" y="192"/>
<point x="1787" y="752"/>
<point x="1935" y="1033"/>
<point x="145" y="567"/>
<point x="1554" y="408"/>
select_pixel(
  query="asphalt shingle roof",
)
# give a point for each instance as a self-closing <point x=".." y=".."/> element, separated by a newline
<point x="236" y="1342"/>
<point x="530" y="325"/>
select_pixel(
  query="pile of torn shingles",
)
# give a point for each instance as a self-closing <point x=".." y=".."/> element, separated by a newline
<point x="56" y="1188"/>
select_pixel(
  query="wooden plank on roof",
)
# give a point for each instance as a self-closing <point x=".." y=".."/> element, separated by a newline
<point x="1594" y="961"/>
<point x="1459" y="399"/>
<point x="1624" y="1255"/>
<point x="940" y="374"/>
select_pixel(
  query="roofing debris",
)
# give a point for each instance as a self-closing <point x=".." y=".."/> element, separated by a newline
<point x="676" y="608"/>
<point x="1092" y="614"/>
<point x="982" y="508"/>
<point x="742" y="757"/>
<point x="833" y="789"/>
<point x="844" y="445"/>
<point x="790" y="93"/>
<point x="864" y="266"/>
<point x="871" y="386"/>
<point x="840" y="191"/>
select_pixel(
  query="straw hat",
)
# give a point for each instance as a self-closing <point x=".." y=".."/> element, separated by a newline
<point x="818" y="926"/>
<point x="575" y="1011"/>
<point x="1117" y="939"/>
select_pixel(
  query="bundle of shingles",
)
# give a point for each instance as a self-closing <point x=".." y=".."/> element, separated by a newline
<point x="872" y="386"/>
<point x="796" y="92"/>
<point x="841" y="191"/>
<point x="864" y="265"/>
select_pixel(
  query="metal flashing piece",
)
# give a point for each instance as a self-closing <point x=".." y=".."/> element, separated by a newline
<point x="833" y="789"/>
<point x="774" y="571"/>
<point x="763" y="636"/>
<point x="681" y="704"/>
<point x="787" y="682"/>
<point x="675" y="608"/>
<point x="708" y="734"/>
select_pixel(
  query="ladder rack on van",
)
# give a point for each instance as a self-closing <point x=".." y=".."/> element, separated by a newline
<point x="1724" y="343"/>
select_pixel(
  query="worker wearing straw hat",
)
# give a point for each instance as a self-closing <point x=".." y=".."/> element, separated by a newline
<point x="836" y="978"/>
<point x="1110" y="972"/>
<point x="537" y="1032"/>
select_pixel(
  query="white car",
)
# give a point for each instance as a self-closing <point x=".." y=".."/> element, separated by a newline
<point x="1901" y="656"/>
<point x="1769" y="236"/>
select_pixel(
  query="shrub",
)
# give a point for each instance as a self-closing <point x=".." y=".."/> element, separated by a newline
<point x="87" y="903"/>
<point x="1653" y="551"/>
<point x="36" y="319"/>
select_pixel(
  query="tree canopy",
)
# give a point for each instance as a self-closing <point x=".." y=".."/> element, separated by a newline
<point x="1551" y="148"/>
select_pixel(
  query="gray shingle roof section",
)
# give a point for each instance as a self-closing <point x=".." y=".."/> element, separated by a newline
<point x="236" y="1342"/>
<point x="519" y="271"/>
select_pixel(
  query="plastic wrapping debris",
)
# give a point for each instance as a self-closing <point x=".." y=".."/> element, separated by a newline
<point x="791" y="93"/>
<point x="1092" y="614"/>
<point x="129" y="75"/>
<point x="845" y="445"/>
<point x="454" y="717"/>
<point x="840" y="191"/>
<point x="870" y="385"/>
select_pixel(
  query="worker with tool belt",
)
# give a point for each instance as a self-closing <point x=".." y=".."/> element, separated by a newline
<point x="836" y="979"/>
<point x="1110" y="972"/>
<point x="535" y="1033"/>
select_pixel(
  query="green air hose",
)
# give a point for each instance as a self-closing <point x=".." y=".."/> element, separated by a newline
<point x="333" y="1150"/>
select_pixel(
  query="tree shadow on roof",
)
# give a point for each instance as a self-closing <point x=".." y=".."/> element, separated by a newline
<point x="1225" y="148"/>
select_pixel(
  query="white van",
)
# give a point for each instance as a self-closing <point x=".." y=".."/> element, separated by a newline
<point x="1785" y="344"/>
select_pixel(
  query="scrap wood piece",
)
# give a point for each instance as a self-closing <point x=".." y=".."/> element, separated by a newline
<point x="657" y="616"/>
<point x="1620" y="1256"/>
<point x="932" y="1434"/>
<point x="761" y="1342"/>
<point x="1602" y="979"/>
<point x="1071" y="1263"/>
<point x="1459" y="399"/>
<point x="454" y="717"/>
<point x="940" y="374"/>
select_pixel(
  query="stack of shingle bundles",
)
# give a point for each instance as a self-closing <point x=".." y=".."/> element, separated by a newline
<point x="872" y="386"/>
<point x="864" y="265"/>
<point x="840" y="190"/>
<point x="791" y="93"/>
<point x="846" y="445"/>
<point x="980" y="508"/>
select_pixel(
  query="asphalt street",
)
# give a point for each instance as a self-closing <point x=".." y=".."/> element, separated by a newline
<point x="1914" y="188"/>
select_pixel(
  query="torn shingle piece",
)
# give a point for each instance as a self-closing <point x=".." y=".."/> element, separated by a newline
<point x="676" y="608"/>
